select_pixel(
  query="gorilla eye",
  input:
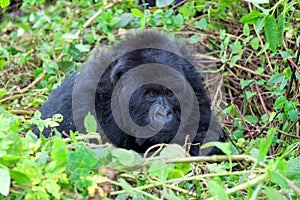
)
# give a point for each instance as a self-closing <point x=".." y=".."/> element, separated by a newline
<point x="169" y="92"/>
<point x="152" y="93"/>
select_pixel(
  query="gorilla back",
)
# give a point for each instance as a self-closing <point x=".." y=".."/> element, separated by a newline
<point x="143" y="91"/>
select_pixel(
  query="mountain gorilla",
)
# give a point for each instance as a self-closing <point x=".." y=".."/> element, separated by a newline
<point x="142" y="91"/>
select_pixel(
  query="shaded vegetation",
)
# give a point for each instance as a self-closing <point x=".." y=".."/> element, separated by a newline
<point x="255" y="51"/>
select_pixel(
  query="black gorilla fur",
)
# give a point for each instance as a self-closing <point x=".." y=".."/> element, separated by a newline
<point x="78" y="95"/>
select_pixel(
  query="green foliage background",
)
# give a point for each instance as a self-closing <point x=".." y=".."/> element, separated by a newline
<point x="255" y="45"/>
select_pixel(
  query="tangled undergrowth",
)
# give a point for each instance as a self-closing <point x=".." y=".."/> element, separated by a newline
<point x="250" y="67"/>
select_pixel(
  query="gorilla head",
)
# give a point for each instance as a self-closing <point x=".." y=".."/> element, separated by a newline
<point x="143" y="91"/>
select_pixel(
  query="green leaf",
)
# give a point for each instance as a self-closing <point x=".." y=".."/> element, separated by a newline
<point x="273" y="194"/>
<point x="237" y="47"/>
<point x="251" y="118"/>
<point x="246" y="30"/>
<point x="90" y="123"/>
<point x="4" y="181"/>
<point x="3" y="92"/>
<point x="276" y="78"/>
<point x="163" y="3"/>
<point x="4" y="3"/>
<point x="124" y="157"/>
<point x="281" y="25"/>
<point x="294" y="169"/>
<point x="19" y="177"/>
<point x="59" y="151"/>
<point x="265" y="145"/>
<point x="173" y="151"/>
<point x="136" y="12"/>
<point x="127" y="187"/>
<point x="52" y="187"/>
<point x="251" y="17"/>
<point x="280" y="101"/>
<point x="293" y="115"/>
<point x="174" y="173"/>
<point x="217" y="191"/>
<point x="271" y="32"/>
<point x="158" y="169"/>
<point x="278" y="179"/>
<point x="201" y="24"/>
<point x="244" y="83"/>
<point x="249" y="94"/>
<point x="254" y="43"/>
<point x="178" y="20"/>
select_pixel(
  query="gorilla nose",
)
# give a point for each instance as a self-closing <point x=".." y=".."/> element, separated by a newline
<point x="164" y="114"/>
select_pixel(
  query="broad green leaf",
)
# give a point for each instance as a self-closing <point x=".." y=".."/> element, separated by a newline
<point x="281" y="25"/>
<point x="246" y="30"/>
<point x="3" y="92"/>
<point x="254" y="43"/>
<point x="83" y="47"/>
<point x="19" y="177"/>
<point x="278" y="179"/>
<point x="90" y="123"/>
<point x="276" y="78"/>
<point x="217" y="191"/>
<point x="273" y="194"/>
<point x="173" y="151"/>
<point x="249" y="94"/>
<point x="244" y="83"/>
<point x="280" y="101"/>
<point x="251" y="17"/>
<point x="4" y="181"/>
<point x="124" y="157"/>
<point x="293" y="115"/>
<point x="52" y="187"/>
<point x="251" y="118"/>
<point x="237" y="47"/>
<point x="59" y="151"/>
<point x="127" y="187"/>
<point x="271" y="32"/>
<point x="178" y="20"/>
<point x="158" y="169"/>
<point x="201" y="24"/>
<point x="265" y="145"/>
<point x="136" y="12"/>
<point x="163" y="3"/>
<point x="174" y="173"/>
<point x="294" y="169"/>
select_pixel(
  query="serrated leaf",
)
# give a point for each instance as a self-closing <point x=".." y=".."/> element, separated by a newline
<point x="271" y="32"/>
<point x="244" y="83"/>
<point x="4" y="181"/>
<point x="90" y="123"/>
<point x="178" y="20"/>
<point x="251" y="18"/>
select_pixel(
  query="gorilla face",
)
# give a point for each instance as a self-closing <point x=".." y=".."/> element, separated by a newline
<point x="156" y="105"/>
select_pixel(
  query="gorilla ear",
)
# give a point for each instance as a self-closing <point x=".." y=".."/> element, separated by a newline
<point x="116" y="72"/>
